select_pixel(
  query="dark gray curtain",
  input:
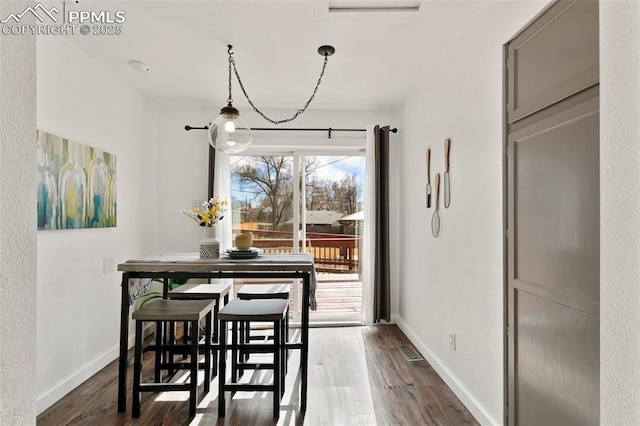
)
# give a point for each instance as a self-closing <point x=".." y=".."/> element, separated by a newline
<point x="381" y="280"/>
<point x="212" y="171"/>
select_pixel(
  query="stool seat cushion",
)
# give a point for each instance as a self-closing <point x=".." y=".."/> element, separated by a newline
<point x="254" y="310"/>
<point x="264" y="291"/>
<point x="174" y="310"/>
<point x="200" y="291"/>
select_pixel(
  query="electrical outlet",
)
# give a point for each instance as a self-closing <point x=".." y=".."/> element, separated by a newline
<point x="452" y="341"/>
<point x="108" y="265"/>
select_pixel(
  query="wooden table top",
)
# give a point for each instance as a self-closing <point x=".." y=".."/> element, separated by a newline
<point x="191" y="262"/>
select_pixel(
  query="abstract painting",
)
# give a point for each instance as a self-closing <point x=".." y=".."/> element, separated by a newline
<point x="76" y="185"/>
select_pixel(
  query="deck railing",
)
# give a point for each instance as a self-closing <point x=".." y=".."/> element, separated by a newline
<point x="331" y="252"/>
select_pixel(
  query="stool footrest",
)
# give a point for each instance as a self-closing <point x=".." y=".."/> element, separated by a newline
<point x="164" y="387"/>
<point x="290" y="345"/>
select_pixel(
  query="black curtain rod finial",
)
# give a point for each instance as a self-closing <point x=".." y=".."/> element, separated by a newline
<point x="187" y="128"/>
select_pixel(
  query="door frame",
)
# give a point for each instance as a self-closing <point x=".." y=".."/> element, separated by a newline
<point x="505" y="241"/>
<point x="508" y="408"/>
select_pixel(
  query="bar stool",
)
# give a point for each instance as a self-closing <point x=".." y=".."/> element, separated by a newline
<point x="239" y="311"/>
<point x="204" y="291"/>
<point x="264" y="291"/>
<point x="162" y="310"/>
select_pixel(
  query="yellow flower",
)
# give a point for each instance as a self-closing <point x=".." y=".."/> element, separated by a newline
<point x="210" y="213"/>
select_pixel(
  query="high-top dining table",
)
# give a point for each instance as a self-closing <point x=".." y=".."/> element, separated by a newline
<point x="189" y="265"/>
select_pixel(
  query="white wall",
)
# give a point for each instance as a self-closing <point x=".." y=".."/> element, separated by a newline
<point x="183" y="158"/>
<point x="619" y="213"/>
<point x="17" y="227"/>
<point x="454" y="284"/>
<point x="78" y="305"/>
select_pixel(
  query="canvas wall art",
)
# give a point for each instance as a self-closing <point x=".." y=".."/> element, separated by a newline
<point x="76" y="185"/>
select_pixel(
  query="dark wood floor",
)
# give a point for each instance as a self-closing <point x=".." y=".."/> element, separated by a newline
<point x="357" y="376"/>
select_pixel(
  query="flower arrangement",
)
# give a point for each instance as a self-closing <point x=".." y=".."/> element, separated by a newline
<point x="212" y="212"/>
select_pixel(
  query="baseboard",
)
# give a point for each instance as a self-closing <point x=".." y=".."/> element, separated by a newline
<point x="50" y="397"/>
<point x="53" y="395"/>
<point x="461" y="392"/>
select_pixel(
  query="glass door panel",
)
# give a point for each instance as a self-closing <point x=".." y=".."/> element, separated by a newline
<point x="333" y="221"/>
<point x="262" y="202"/>
<point x="306" y="203"/>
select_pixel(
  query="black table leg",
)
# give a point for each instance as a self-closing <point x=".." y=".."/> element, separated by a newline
<point x="124" y="339"/>
<point x="304" y="356"/>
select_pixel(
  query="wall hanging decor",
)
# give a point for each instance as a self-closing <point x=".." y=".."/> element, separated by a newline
<point x="435" y="219"/>
<point x="447" y="177"/>
<point x="76" y="185"/>
<point x="428" y="178"/>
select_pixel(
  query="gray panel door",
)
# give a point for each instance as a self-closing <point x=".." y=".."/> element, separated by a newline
<point x="553" y="268"/>
<point x="555" y="57"/>
<point x="553" y="240"/>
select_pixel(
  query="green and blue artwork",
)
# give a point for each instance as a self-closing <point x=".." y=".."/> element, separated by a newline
<point x="76" y="185"/>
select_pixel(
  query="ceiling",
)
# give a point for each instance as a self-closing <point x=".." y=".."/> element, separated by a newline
<point x="380" y="55"/>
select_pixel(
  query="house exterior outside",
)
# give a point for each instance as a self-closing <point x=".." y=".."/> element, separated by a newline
<point x="319" y="221"/>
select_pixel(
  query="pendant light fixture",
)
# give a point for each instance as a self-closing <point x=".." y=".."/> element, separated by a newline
<point x="229" y="132"/>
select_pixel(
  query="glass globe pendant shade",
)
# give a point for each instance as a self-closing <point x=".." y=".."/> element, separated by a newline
<point x="229" y="132"/>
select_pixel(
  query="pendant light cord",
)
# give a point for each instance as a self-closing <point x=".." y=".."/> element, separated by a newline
<point x="232" y="64"/>
<point x="230" y="98"/>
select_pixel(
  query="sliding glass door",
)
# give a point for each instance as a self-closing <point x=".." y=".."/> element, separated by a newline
<point x="307" y="202"/>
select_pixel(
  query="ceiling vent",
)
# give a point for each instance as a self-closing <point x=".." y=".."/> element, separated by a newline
<point x="351" y="6"/>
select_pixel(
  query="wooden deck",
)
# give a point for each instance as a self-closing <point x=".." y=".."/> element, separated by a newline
<point x="335" y="294"/>
<point x="338" y="293"/>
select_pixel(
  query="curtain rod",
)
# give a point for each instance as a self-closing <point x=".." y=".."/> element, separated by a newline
<point x="329" y="130"/>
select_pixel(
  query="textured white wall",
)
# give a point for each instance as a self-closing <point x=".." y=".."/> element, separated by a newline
<point x="17" y="227"/>
<point x="620" y="212"/>
<point x="79" y="305"/>
<point x="454" y="284"/>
